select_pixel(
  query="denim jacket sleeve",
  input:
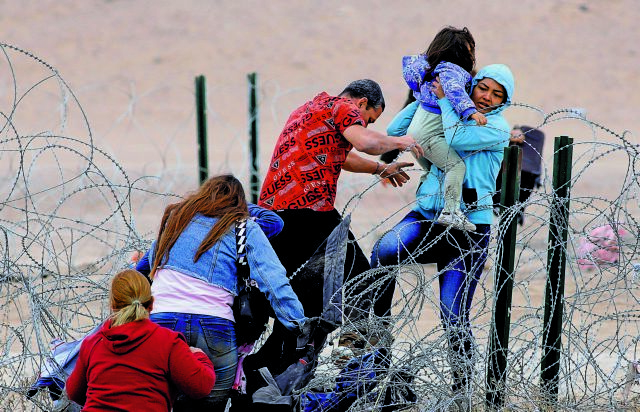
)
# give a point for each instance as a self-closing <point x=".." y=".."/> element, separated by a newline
<point x="454" y="79"/>
<point x="271" y="277"/>
<point x="269" y="222"/>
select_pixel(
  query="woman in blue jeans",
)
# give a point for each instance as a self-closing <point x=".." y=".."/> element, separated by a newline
<point x="193" y="268"/>
<point x="460" y="255"/>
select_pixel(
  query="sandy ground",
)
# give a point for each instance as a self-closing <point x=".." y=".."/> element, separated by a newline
<point x="131" y="68"/>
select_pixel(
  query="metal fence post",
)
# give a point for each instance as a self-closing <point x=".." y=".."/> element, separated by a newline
<point x="499" y="333"/>
<point x="254" y="179"/>
<point x="201" y="124"/>
<point x="556" y="263"/>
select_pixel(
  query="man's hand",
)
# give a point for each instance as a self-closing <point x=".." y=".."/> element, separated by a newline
<point x="394" y="174"/>
<point x="409" y="143"/>
<point x="375" y="143"/>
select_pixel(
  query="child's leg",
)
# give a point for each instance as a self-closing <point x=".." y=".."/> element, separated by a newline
<point x="426" y="128"/>
<point x="422" y="130"/>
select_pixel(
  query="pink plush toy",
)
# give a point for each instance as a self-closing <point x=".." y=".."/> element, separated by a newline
<point x="601" y="247"/>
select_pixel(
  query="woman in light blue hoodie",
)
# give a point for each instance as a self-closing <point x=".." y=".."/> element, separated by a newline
<point x="451" y="58"/>
<point x="460" y="255"/>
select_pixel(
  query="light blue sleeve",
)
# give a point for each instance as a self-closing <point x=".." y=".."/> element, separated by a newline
<point x="150" y="253"/>
<point x="271" y="277"/>
<point x="467" y="136"/>
<point x="402" y="120"/>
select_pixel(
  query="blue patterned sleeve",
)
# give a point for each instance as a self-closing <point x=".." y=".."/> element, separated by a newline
<point x="269" y="222"/>
<point x="454" y="79"/>
<point x="414" y="69"/>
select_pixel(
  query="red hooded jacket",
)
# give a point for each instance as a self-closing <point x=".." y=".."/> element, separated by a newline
<point x="138" y="366"/>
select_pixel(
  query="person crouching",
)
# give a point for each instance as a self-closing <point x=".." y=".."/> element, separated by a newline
<point x="133" y="363"/>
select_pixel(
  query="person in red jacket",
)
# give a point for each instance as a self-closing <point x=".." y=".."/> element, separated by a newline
<point x="132" y="363"/>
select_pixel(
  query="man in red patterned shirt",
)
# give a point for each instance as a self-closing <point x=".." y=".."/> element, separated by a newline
<point x="315" y="146"/>
<point x="300" y="186"/>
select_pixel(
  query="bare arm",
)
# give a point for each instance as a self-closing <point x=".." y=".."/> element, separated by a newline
<point x="392" y="171"/>
<point x="374" y="143"/>
<point x="358" y="164"/>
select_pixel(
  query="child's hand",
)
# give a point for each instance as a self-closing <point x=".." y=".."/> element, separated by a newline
<point x="480" y="119"/>
<point x="135" y="257"/>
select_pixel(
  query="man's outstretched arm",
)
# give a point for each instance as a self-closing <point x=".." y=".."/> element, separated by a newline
<point x="375" y="143"/>
<point x="392" y="171"/>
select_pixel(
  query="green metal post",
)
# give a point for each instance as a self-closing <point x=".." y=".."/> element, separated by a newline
<point x="499" y="334"/>
<point x="556" y="263"/>
<point x="254" y="179"/>
<point x="201" y="124"/>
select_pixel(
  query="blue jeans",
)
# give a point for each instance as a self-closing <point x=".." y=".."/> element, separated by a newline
<point x="460" y="258"/>
<point x="217" y="338"/>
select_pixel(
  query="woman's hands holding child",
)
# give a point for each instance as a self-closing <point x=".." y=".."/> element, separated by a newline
<point x="436" y="87"/>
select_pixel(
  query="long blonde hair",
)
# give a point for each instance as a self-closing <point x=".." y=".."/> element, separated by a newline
<point x="130" y="297"/>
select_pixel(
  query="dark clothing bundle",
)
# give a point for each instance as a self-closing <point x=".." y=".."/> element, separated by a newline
<point x="302" y="247"/>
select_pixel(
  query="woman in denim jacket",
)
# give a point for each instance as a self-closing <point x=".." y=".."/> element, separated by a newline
<point x="195" y="279"/>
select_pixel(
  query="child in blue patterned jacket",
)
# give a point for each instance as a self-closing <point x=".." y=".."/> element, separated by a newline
<point x="451" y="58"/>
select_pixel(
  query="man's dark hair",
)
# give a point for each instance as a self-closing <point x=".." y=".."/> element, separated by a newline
<point x="365" y="88"/>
